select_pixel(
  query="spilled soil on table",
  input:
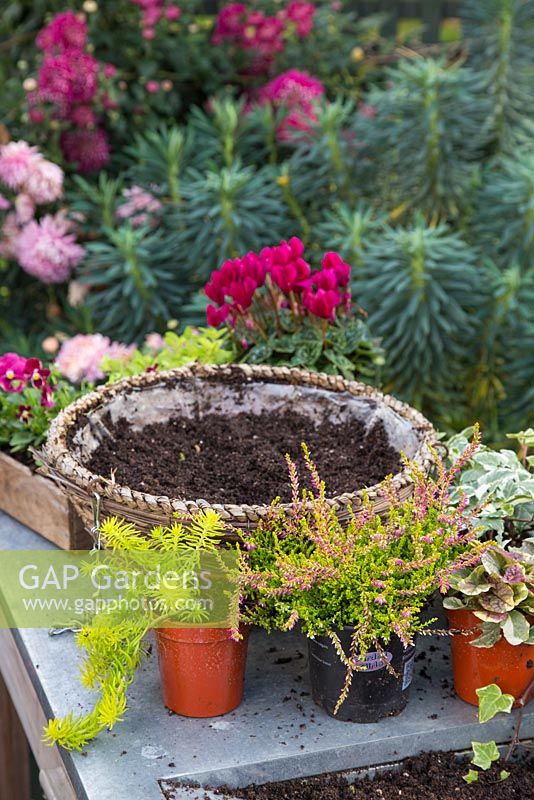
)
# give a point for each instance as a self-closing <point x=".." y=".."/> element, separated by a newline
<point x="240" y="459"/>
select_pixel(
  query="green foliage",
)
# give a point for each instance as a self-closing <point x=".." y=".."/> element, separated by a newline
<point x="500" y="592"/>
<point x="420" y="287"/>
<point x="349" y="230"/>
<point x="203" y="345"/>
<point x="499" y="484"/>
<point x="429" y="122"/>
<point x="492" y="701"/>
<point x="374" y="573"/>
<point x="341" y="348"/>
<point x="24" y="422"/>
<point x="504" y="222"/>
<point x="500" y="35"/>
<point x="484" y="754"/>
<point x="113" y="640"/>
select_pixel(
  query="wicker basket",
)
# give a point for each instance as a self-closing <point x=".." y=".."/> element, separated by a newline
<point x="152" y="397"/>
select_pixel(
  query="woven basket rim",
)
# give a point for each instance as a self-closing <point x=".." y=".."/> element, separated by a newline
<point x="58" y="461"/>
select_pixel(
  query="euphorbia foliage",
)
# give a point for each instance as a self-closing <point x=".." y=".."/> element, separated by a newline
<point x="280" y="311"/>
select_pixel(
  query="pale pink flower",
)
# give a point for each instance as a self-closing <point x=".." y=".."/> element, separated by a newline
<point x="16" y="162"/>
<point x="76" y="293"/>
<point x="24" y="208"/>
<point x="138" y="207"/>
<point x="50" y="345"/>
<point x="4" y="203"/>
<point x="81" y="356"/>
<point x="8" y="236"/>
<point x="45" y="181"/>
<point x="154" y="341"/>
<point x="47" y="249"/>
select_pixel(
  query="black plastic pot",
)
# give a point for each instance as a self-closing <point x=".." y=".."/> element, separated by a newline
<point x="374" y="692"/>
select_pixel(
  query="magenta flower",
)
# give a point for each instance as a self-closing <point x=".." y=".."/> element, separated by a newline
<point x="297" y="92"/>
<point x="334" y="261"/>
<point x="70" y="77"/>
<point x="322" y="303"/>
<point x="216" y="316"/>
<point x="88" y="149"/>
<point x="299" y="15"/>
<point x="66" y="31"/>
<point x="47" y="249"/>
<point x="12" y="372"/>
<point x="286" y="265"/>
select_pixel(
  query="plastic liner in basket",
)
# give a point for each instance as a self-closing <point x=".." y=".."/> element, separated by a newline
<point x="199" y="389"/>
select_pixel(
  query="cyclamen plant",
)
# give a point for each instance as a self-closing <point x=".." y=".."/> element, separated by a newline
<point x="280" y="312"/>
<point x="374" y="574"/>
<point x="500" y="593"/>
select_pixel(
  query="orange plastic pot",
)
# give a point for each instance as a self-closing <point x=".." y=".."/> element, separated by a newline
<point x="511" y="667"/>
<point x="202" y="670"/>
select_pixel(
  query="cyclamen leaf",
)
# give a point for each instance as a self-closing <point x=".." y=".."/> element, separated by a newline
<point x="485" y="753"/>
<point x="491" y="701"/>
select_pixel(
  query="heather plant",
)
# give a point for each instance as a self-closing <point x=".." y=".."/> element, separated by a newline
<point x="500" y="593"/>
<point x="277" y="311"/>
<point x="373" y="573"/>
<point x="31" y="395"/>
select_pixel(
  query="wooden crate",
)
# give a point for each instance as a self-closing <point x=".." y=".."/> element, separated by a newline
<point x="38" y="503"/>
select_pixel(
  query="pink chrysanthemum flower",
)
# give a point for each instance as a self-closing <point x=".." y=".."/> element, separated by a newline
<point x="16" y="162"/>
<point x="66" y="31"/>
<point x="24" y="208"/>
<point x="9" y="233"/>
<point x="88" y="149"/>
<point x="4" y="203"/>
<point x="47" y="249"/>
<point x="45" y="181"/>
<point x="81" y="356"/>
<point x="70" y="77"/>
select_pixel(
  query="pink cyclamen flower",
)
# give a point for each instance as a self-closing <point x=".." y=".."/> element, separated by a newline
<point x="322" y="303"/>
<point x="88" y="149"/>
<point x="216" y="316"/>
<point x="66" y="31"/>
<point x="48" y="250"/>
<point x="333" y="261"/>
<point x="81" y="356"/>
<point x="12" y="372"/>
<point x="16" y="162"/>
<point x="287" y="267"/>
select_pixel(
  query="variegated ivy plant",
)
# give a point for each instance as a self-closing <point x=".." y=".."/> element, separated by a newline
<point x="500" y="593"/>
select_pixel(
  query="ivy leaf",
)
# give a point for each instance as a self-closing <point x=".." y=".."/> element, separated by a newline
<point x="485" y="753"/>
<point x="503" y="774"/>
<point x="492" y="701"/>
<point x="516" y="629"/>
<point x="471" y="776"/>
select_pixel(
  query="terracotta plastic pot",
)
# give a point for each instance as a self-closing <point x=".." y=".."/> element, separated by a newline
<point x="374" y="691"/>
<point x="511" y="667"/>
<point x="202" y="670"/>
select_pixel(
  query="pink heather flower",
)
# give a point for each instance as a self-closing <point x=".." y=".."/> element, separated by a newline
<point x="81" y="356"/>
<point x="138" y="207"/>
<point x="380" y="600"/>
<point x="173" y="12"/>
<point x="66" y="31"/>
<point x="12" y="372"/>
<point x="8" y="236"/>
<point x="300" y="15"/>
<point x="88" y="149"/>
<point x="47" y="249"/>
<point x="379" y="584"/>
<point x="4" y="203"/>
<point x="24" y="208"/>
<point x="16" y="162"/>
<point x="45" y="181"/>
<point x="296" y="92"/>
